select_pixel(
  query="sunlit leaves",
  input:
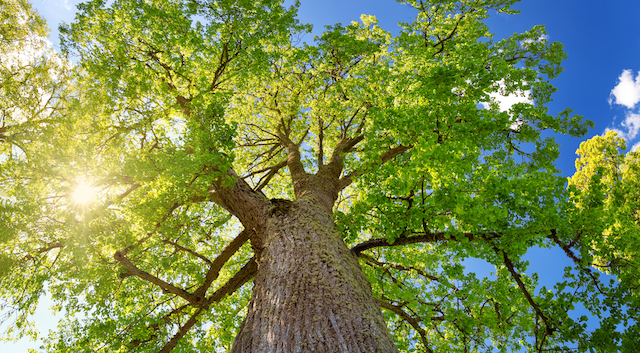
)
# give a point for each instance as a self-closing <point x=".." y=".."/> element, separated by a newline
<point x="605" y="189"/>
<point x="32" y="90"/>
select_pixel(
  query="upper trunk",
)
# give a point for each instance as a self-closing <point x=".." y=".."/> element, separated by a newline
<point x="310" y="294"/>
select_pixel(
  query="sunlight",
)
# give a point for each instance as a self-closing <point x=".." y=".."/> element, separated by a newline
<point x="84" y="193"/>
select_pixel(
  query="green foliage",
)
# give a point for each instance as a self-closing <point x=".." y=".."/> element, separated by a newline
<point x="32" y="88"/>
<point x="166" y="96"/>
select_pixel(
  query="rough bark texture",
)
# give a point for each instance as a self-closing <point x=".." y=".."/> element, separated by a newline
<point x="310" y="294"/>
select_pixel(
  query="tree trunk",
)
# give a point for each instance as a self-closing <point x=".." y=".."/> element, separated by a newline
<point x="310" y="294"/>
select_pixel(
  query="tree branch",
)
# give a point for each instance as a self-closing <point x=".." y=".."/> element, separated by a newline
<point x="188" y="251"/>
<point x="164" y="320"/>
<point x="567" y="250"/>
<point x="377" y="243"/>
<point x="248" y="205"/>
<point x="181" y="332"/>
<point x="320" y="143"/>
<point x="126" y="250"/>
<point x="218" y="263"/>
<point x="49" y="247"/>
<point x="385" y="157"/>
<point x="333" y="169"/>
<point x="516" y="276"/>
<point x="240" y="278"/>
<point x="264" y="181"/>
<point x="422" y="238"/>
<point x="397" y="266"/>
<point x="294" y="158"/>
<point x="451" y="34"/>
<point x="409" y="319"/>
<point x="169" y="288"/>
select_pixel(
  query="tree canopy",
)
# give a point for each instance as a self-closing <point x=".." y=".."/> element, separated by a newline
<point x="125" y="176"/>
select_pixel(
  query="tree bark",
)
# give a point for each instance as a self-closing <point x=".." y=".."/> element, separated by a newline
<point x="310" y="294"/>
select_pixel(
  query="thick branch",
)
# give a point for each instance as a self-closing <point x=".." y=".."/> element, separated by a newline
<point x="333" y="169"/>
<point x="410" y="320"/>
<point x="51" y="246"/>
<point x="422" y="238"/>
<point x="248" y="205"/>
<point x="396" y="266"/>
<point x="377" y="243"/>
<point x="131" y="189"/>
<point x="240" y="199"/>
<point x="169" y="288"/>
<point x="384" y="158"/>
<point x="185" y="105"/>
<point x="293" y="158"/>
<point x="218" y="263"/>
<point x="182" y="331"/>
<point x="238" y="280"/>
<point x="243" y="276"/>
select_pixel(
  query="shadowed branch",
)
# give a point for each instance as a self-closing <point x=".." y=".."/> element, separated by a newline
<point x="409" y="319"/>
<point x="218" y="263"/>
<point x="243" y="276"/>
<point x="167" y="287"/>
<point x="516" y="276"/>
<point x="423" y="238"/>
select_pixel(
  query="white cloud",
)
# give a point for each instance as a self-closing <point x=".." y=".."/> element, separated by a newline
<point x="627" y="91"/>
<point x="636" y="147"/>
<point x="632" y="124"/>
<point x="629" y="128"/>
<point x="506" y="102"/>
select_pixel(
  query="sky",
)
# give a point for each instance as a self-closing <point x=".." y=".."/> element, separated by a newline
<point x="601" y="80"/>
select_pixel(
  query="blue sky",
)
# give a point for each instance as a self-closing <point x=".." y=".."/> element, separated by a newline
<point x="601" y="80"/>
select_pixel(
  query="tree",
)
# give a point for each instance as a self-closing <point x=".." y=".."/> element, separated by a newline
<point x="350" y="180"/>
<point x="32" y="84"/>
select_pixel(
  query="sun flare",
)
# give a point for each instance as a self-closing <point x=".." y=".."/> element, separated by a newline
<point x="84" y="193"/>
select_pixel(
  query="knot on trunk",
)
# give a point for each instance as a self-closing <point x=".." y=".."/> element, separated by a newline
<point x="280" y="206"/>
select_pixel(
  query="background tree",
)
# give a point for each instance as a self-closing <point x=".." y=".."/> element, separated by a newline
<point x="356" y="173"/>
<point x="32" y="83"/>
